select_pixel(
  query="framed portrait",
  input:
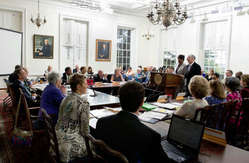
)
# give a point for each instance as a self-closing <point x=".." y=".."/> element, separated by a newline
<point x="43" y="47"/>
<point x="103" y="50"/>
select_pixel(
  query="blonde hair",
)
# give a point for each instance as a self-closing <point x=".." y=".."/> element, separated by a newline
<point x="217" y="89"/>
<point x="245" y="78"/>
<point x="198" y="86"/>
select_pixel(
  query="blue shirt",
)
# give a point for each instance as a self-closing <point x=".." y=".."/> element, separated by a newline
<point x="214" y="100"/>
<point x="51" y="99"/>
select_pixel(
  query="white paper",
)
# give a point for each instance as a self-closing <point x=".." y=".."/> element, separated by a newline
<point x="164" y="111"/>
<point x="152" y="115"/>
<point x="164" y="105"/>
<point x="93" y="122"/>
<point x="99" y="113"/>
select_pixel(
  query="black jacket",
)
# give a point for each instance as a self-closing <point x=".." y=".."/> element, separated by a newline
<point x="194" y="70"/>
<point x="98" y="79"/>
<point x="64" y="79"/>
<point x="125" y="133"/>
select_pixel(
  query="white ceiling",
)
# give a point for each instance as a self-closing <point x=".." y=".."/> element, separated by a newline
<point x="140" y="7"/>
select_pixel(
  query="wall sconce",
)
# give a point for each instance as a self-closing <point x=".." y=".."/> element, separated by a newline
<point x="148" y="35"/>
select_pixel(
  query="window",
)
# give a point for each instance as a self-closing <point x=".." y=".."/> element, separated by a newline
<point x="216" y="47"/>
<point x="169" y="59"/>
<point x="74" y="43"/>
<point x="124" y="48"/>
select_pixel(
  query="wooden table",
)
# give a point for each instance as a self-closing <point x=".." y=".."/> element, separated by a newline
<point x="209" y="152"/>
<point x="100" y="100"/>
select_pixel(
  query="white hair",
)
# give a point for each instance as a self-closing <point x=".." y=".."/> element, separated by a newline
<point x="192" y="56"/>
<point x="53" y="77"/>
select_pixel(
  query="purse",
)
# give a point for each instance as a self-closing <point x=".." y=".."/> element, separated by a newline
<point x="22" y="137"/>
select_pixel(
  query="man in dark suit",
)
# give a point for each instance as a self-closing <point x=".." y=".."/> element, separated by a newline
<point x="13" y="76"/>
<point x="21" y="82"/>
<point x="76" y="70"/>
<point x="192" y="69"/>
<point x="100" y="77"/>
<point x="66" y="75"/>
<point x="125" y="133"/>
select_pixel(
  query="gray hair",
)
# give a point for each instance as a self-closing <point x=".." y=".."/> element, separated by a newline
<point x="53" y="77"/>
<point x="192" y="56"/>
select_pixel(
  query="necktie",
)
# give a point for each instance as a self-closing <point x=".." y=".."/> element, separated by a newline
<point x="178" y="68"/>
<point x="189" y="67"/>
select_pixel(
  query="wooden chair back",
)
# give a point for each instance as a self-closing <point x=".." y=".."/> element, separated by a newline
<point x="106" y="152"/>
<point x="13" y="95"/>
<point x="215" y="116"/>
<point x="52" y="136"/>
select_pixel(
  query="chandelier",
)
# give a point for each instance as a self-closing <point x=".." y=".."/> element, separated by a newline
<point x="166" y="13"/>
<point x="38" y="21"/>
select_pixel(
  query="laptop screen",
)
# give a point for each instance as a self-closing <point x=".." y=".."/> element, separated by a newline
<point x="185" y="132"/>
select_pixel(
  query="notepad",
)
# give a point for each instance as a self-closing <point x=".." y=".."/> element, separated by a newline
<point x="163" y="105"/>
<point x="152" y="117"/>
<point x="148" y="107"/>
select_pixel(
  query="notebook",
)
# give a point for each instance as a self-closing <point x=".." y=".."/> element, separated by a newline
<point x="183" y="141"/>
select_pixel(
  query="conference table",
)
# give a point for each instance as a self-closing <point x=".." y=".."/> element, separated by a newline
<point x="96" y="99"/>
<point x="209" y="152"/>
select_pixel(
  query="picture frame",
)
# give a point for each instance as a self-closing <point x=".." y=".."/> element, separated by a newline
<point x="103" y="50"/>
<point x="43" y="47"/>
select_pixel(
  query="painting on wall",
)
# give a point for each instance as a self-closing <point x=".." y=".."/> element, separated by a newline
<point x="103" y="50"/>
<point x="43" y="47"/>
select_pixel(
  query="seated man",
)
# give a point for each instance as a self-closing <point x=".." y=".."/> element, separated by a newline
<point x="125" y="133"/>
<point x="100" y="77"/>
<point x="66" y="75"/>
<point x="52" y="96"/>
<point x="13" y="76"/>
<point x="21" y="82"/>
<point x="48" y="71"/>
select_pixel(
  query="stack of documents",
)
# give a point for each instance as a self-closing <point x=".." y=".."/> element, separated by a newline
<point x="170" y="106"/>
<point x="152" y="117"/>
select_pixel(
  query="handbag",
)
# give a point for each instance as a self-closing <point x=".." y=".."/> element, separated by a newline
<point x="22" y="137"/>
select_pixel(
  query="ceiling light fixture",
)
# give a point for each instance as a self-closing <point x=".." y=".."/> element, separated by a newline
<point x="38" y="21"/>
<point x="167" y="13"/>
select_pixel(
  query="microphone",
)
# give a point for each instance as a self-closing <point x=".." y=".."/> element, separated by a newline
<point x="94" y="93"/>
<point x="151" y="97"/>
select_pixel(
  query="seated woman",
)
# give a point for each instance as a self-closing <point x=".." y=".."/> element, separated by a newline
<point x="89" y="71"/>
<point x="129" y="73"/>
<point x="73" y="121"/>
<point x="117" y="77"/>
<point x="217" y="94"/>
<point x="245" y="84"/>
<point x="232" y="86"/>
<point x="53" y="95"/>
<point x="139" y="76"/>
<point x="199" y="88"/>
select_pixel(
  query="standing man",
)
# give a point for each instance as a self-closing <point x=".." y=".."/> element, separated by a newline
<point x="192" y="69"/>
<point x="181" y="67"/>
<point x="229" y="73"/>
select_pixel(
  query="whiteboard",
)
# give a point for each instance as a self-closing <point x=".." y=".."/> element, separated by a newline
<point x="10" y="50"/>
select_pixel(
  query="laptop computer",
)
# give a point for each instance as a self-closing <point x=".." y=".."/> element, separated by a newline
<point x="183" y="140"/>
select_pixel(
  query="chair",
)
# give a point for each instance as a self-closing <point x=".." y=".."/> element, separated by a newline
<point x="244" y="125"/>
<point x="13" y="98"/>
<point x="52" y="137"/>
<point x="30" y="109"/>
<point x="217" y="117"/>
<point x="104" y="151"/>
